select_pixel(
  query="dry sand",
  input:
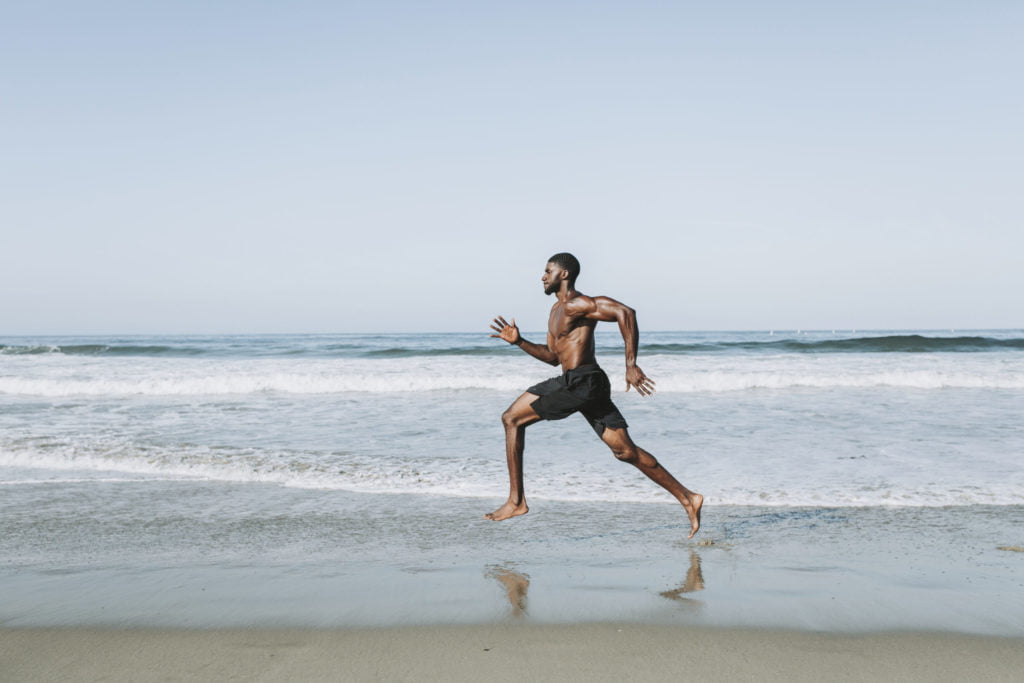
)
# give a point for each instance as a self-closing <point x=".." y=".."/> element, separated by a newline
<point x="593" y="652"/>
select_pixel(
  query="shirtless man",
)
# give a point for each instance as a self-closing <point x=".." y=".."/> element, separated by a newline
<point x="582" y="388"/>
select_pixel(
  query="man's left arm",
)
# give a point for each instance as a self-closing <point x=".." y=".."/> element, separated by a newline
<point x="606" y="309"/>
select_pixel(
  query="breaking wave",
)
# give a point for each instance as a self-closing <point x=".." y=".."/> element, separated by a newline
<point x="689" y="381"/>
<point x="432" y="475"/>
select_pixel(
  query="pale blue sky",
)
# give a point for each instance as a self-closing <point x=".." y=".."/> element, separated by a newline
<point x="405" y="166"/>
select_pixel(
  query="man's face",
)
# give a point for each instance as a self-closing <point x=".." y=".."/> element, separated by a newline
<point x="552" y="279"/>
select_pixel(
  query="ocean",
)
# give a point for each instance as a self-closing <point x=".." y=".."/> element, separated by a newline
<point x="124" y="459"/>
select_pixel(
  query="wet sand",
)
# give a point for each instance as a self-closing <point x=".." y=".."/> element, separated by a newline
<point x="212" y="556"/>
<point x="268" y="583"/>
<point x="502" y="653"/>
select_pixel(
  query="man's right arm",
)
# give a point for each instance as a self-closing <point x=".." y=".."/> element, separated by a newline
<point x="508" y="331"/>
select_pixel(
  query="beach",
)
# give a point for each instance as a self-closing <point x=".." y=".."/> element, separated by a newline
<point x="312" y="508"/>
<point x="569" y="592"/>
<point x="601" y="652"/>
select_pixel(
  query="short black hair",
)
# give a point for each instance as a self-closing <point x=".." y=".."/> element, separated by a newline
<point x="566" y="260"/>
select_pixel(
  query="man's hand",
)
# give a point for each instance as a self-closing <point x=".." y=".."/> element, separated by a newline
<point x="635" y="377"/>
<point x="507" y="330"/>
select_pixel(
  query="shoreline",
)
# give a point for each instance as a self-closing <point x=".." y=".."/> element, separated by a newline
<point x="502" y="652"/>
<point x="210" y="557"/>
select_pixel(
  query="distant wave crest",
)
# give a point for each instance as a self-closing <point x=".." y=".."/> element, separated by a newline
<point x="100" y="349"/>
<point x="898" y="343"/>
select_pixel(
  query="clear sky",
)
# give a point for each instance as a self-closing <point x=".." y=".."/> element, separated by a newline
<point x="409" y="166"/>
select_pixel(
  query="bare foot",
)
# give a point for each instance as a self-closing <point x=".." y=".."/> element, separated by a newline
<point x="693" y="511"/>
<point x="509" y="509"/>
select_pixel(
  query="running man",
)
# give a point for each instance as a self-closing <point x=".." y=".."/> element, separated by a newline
<point x="583" y="387"/>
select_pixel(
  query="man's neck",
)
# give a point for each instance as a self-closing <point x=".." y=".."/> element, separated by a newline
<point x="566" y="292"/>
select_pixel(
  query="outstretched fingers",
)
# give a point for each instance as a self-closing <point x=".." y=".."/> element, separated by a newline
<point x="644" y="386"/>
<point x="635" y="377"/>
<point x="505" y="330"/>
<point x="498" y="324"/>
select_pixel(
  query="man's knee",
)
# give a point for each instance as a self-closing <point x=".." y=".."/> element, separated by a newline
<point x="512" y="418"/>
<point x="625" y="452"/>
<point x="621" y="445"/>
<point x="521" y="412"/>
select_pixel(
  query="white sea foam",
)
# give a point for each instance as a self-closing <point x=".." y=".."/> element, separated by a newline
<point x="83" y="480"/>
<point x="466" y="478"/>
<point x="179" y="377"/>
<point x="922" y="379"/>
<point x="288" y="383"/>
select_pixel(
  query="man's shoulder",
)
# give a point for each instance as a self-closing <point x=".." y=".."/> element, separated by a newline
<point x="580" y="304"/>
<point x="583" y="303"/>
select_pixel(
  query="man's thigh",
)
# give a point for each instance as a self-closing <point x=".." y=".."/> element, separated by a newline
<point x="604" y="416"/>
<point x="557" y="402"/>
<point x="521" y="412"/>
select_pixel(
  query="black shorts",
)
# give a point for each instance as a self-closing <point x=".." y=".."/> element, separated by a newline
<point x="584" y="389"/>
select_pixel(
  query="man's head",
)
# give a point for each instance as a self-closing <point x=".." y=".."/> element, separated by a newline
<point x="561" y="267"/>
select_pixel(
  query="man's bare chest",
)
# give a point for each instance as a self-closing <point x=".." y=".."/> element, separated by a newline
<point x="562" y="325"/>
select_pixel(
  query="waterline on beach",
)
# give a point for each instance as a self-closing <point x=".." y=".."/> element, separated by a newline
<point x="210" y="556"/>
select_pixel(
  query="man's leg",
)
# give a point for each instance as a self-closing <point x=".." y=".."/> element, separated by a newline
<point x="627" y="451"/>
<point x="516" y="419"/>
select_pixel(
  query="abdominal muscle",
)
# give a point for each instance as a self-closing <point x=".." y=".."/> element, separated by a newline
<point x="575" y="348"/>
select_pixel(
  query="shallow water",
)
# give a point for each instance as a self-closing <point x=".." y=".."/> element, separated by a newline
<point x="210" y="554"/>
<point x="852" y="483"/>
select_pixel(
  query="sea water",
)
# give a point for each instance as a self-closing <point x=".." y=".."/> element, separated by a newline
<point x="124" y="452"/>
<point x="853" y="418"/>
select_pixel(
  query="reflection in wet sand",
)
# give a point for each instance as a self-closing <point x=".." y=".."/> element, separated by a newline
<point x="516" y="585"/>
<point x="694" y="582"/>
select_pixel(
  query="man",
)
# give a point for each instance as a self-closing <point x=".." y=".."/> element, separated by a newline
<point x="582" y="388"/>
